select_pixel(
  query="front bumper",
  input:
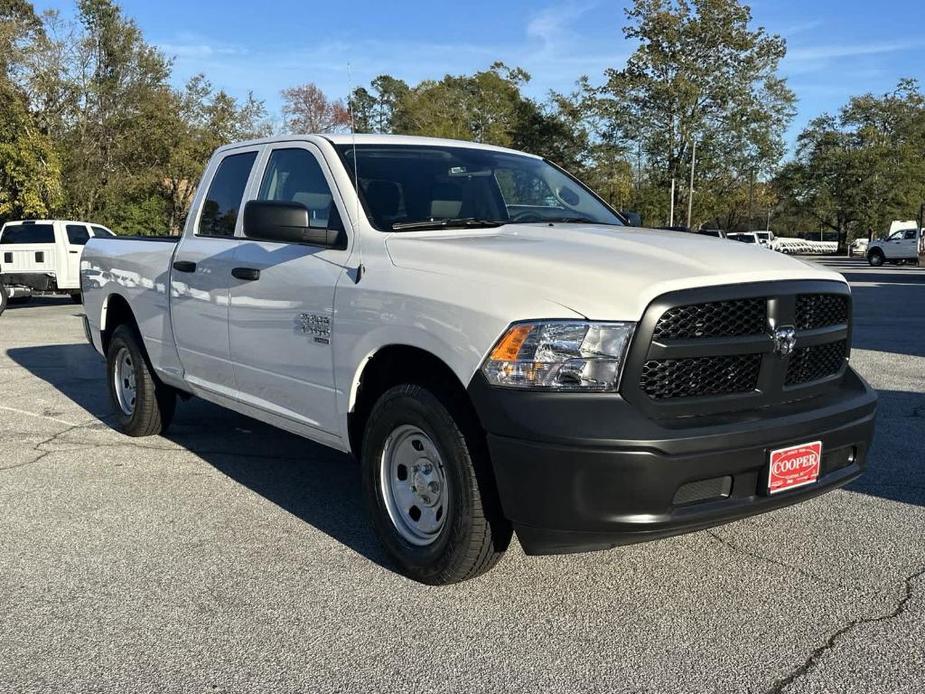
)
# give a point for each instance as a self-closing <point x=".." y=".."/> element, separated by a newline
<point x="579" y="472"/>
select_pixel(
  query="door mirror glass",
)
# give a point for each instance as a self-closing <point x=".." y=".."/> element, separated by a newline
<point x="287" y="222"/>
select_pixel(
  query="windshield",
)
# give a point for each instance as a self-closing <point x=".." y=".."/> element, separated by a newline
<point x="423" y="186"/>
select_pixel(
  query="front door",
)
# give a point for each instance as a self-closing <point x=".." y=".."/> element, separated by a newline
<point x="200" y="277"/>
<point x="280" y="322"/>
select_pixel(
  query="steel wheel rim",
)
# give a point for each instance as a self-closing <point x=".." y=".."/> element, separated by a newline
<point x="125" y="386"/>
<point x="414" y="485"/>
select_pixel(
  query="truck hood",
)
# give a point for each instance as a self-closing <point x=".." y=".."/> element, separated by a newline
<point x="600" y="272"/>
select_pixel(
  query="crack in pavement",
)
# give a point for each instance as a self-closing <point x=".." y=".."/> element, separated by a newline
<point x="41" y="451"/>
<point x="771" y="560"/>
<point x="780" y="685"/>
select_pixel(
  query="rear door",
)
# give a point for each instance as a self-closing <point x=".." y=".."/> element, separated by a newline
<point x="281" y="322"/>
<point x="75" y="238"/>
<point x="200" y="278"/>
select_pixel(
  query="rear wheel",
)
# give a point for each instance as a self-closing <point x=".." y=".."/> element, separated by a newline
<point x="875" y="258"/>
<point x="143" y="405"/>
<point x="3" y="299"/>
<point x="426" y="478"/>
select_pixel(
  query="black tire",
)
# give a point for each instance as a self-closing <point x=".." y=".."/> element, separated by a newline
<point x="154" y="403"/>
<point x="875" y="258"/>
<point x="77" y="297"/>
<point x="3" y="299"/>
<point x="474" y="534"/>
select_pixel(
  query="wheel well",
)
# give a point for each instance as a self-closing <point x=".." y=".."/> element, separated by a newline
<point x="117" y="312"/>
<point x="398" y="364"/>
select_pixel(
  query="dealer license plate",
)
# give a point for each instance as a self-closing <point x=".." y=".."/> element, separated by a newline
<point x="794" y="466"/>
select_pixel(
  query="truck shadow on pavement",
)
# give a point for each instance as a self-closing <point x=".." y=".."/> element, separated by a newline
<point x="312" y="482"/>
<point x="323" y="488"/>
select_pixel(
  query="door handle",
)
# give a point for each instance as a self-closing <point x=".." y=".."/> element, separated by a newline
<point x="73" y="252"/>
<point x="248" y="274"/>
<point x="184" y="266"/>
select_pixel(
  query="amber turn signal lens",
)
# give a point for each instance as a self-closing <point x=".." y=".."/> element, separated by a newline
<point x="509" y="346"/>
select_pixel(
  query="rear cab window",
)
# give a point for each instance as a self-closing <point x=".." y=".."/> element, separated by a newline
<point x="28" y="233"/>
<point x="77" y="234"/>
<point x="100" y="231"/>
<point x="222" y="203"/>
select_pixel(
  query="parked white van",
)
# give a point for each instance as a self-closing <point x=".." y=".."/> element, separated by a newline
<point x="43" y="255"/>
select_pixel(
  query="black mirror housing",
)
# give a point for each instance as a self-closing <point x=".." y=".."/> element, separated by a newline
<point x="288" y="222"/>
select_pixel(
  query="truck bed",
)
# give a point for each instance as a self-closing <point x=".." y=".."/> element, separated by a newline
<point x="138" y="270"/>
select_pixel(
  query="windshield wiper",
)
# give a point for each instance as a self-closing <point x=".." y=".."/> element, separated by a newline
<point x="578" y="220"/>
<point x="460" y="223"/>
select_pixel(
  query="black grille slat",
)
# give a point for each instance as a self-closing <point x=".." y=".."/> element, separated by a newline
<point x="808" y="364"/>
<point x="664" y="379"/>
<point x="733" y="318"/>
<point x="821" y="310"/>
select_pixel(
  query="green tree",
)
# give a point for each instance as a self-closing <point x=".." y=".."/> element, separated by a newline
<point x="30" y="175"/>
<point x="861" y="168"/>
<point x="700" y="74"/>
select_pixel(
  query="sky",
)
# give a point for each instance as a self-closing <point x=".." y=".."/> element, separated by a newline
<point x="835" y="48"/>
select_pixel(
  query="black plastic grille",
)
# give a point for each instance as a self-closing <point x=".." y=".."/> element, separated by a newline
<point x="731" y="318"/>
<point x="821" y="310"/>
<point x="808" y="364"/>
<point x="663" y="379"/>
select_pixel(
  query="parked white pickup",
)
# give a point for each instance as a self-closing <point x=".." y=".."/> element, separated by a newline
<point x="492" y="342"/>
<point x="44" y="255"/>
<point x="901" y="245"/>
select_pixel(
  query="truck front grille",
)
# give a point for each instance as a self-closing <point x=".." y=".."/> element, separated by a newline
<point x="821" y="310"/>
<point x="808" y="364"/>
<point x="724" y="349"/>
<point x="714" y="319"/>
<point x="663" y="379"/>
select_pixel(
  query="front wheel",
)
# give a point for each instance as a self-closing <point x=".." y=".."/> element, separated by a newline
<point x="875" y="258"/>
<point x="428" y="488"/>
<point x="144" y="406"/>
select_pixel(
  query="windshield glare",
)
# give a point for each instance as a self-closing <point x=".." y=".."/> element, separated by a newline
<point x="404" y="184"/>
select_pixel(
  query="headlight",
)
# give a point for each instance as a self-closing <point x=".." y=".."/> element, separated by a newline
<point x="560" y="355"/>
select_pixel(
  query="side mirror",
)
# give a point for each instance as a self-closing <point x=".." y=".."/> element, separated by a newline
<point x="634" y="218"/>
<point x="289" y="222"/>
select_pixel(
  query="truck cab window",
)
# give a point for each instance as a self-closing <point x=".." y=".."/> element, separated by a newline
<point x="77" y="234"/>
<point x="28" y="233"/>
<point x="294" y="175"/>
<point x="220" y="208"/>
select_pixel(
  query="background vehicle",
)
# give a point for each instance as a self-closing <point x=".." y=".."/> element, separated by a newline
<point x="44" y="255"/>
<point x="766" y="239"/>
<point x="491" y="342"/>
<point x="901" y="245"/>
<point x="717" y="233"/>
<point x="858" y="247"/>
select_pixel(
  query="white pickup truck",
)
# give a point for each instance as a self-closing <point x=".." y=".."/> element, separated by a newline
<point x="900" y="246"/>
<point x="488" y="338"/>
<point x="43" y="255"/>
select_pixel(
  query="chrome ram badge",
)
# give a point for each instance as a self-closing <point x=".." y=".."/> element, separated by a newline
<point x="785" y="339"/>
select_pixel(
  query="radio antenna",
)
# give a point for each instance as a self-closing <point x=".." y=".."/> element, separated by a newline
<point x="356" y="175"/>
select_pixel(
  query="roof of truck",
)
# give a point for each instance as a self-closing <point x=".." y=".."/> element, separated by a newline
<point x="13" y="222"/>
<point x="376" y="139"/>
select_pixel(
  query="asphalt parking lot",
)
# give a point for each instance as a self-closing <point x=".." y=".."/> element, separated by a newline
<point x="232" y="557"/>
